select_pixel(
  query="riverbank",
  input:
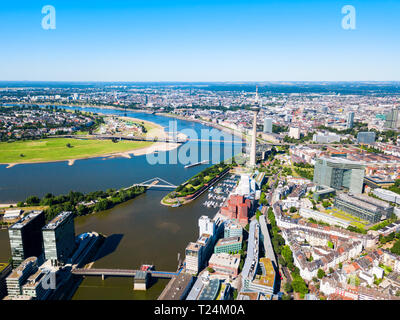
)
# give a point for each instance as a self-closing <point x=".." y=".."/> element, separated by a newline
<point x="240" y="135"/>
<point x="67" y="149"/>
<point x="196" y="186"/>
<point x="70" y="149"/>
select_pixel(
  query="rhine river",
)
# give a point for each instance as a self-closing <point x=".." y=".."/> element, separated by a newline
<point x="140" y="230"/>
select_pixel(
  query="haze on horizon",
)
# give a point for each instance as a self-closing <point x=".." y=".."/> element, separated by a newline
<point x="200" y="41"/>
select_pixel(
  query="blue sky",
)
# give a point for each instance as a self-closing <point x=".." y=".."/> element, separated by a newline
<point x="193" y="40"/>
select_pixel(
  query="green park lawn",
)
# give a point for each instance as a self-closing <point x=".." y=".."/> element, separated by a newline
<point x="56" y="149"/>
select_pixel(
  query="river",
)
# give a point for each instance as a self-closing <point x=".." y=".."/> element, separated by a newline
<point x="139" y="231"/>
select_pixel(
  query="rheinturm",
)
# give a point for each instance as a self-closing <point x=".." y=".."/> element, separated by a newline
<point x="254" y="138"/>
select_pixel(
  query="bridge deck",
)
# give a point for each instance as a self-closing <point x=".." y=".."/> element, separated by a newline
<point x="121" y="273"/>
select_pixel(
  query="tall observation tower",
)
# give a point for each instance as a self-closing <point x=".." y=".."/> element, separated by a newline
<point x="255" y="111"/>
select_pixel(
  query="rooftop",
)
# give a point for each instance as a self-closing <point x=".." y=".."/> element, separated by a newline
<point x="25" y="220"/>
<point x="17" y="272"/>
<point x="210" y="290"/>
<point x="176" y="287"/>
<point x="225" y="259"/>
<point x="225" y="241"/>
<point x="361" y="203"/>
<point x="268" y="276"/>
<point x="59" y="219"/>
<point x="193" y="246"/>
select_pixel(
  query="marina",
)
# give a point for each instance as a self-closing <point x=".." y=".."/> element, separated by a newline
<point x="217" y="195"/>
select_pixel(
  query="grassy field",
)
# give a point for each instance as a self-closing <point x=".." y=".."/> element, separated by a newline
<point x="56" y="149"/>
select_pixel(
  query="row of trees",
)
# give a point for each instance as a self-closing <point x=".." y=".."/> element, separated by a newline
<point x="285" y="258"/>
<point x="200" y="179"/>
<point x="74" y="201"/>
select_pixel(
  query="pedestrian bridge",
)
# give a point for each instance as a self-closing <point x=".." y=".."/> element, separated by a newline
<point x="155" y="182"/>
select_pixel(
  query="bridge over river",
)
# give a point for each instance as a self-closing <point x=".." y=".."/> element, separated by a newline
<point x="123" y="273"/>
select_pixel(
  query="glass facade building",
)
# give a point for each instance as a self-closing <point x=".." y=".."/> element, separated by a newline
<point x="393" y="119"/>
<point x="267" y="125"/>
<point x="366" y="137"/>
<point x="350" y="120"/>
<point x="228" y="245"/>
<point x="59" y="238"/>
<point x="364" y="207"/>
<point x="339" y="174"/>
<point x="26" y="237"/>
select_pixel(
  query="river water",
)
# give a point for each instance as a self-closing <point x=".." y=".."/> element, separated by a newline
<point x="139" y="231"/>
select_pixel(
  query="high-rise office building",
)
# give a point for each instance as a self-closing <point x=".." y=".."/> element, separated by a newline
<point x="350" y="120"/>
<point x="206" y="226"/>
<point x="366" y="137"/>
<point x="267" y="125"/>
<point x="26" y="237"/>
<point x="339" y="173"/>
<point x="193" y="254"/>
<point x="59" y="238"/>
<point x="393" y="118"/>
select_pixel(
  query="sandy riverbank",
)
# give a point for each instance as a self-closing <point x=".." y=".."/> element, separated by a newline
<point x="156" y="132"/>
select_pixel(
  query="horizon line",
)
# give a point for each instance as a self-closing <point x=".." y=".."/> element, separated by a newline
<point x="210" y="81"/>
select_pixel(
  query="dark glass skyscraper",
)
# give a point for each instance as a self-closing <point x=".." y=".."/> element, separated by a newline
<point x="59" y="238"/>
<point x="26" y="237"/>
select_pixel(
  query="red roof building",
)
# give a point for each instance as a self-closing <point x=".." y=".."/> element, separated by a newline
<point x="237" y="209"/>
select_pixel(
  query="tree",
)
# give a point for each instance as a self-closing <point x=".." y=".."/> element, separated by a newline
<point x="326" y="204"/>
<point x="282" y="261"/>
<point x="320" y="273"/>
<point x="396" y="248"/>
<point x="287" y="254"/>
<point x="32" y="200"/>
<point x="288" y="287"/>
<point x="82" y="210"/>
<point x="210" y="270"/>
<point x="293" y="209"/>
<point x="258" y="214"/>
<point x="299" y="285"/>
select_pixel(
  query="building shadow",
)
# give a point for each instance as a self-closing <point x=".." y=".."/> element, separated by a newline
<point x="109" y="246"/>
